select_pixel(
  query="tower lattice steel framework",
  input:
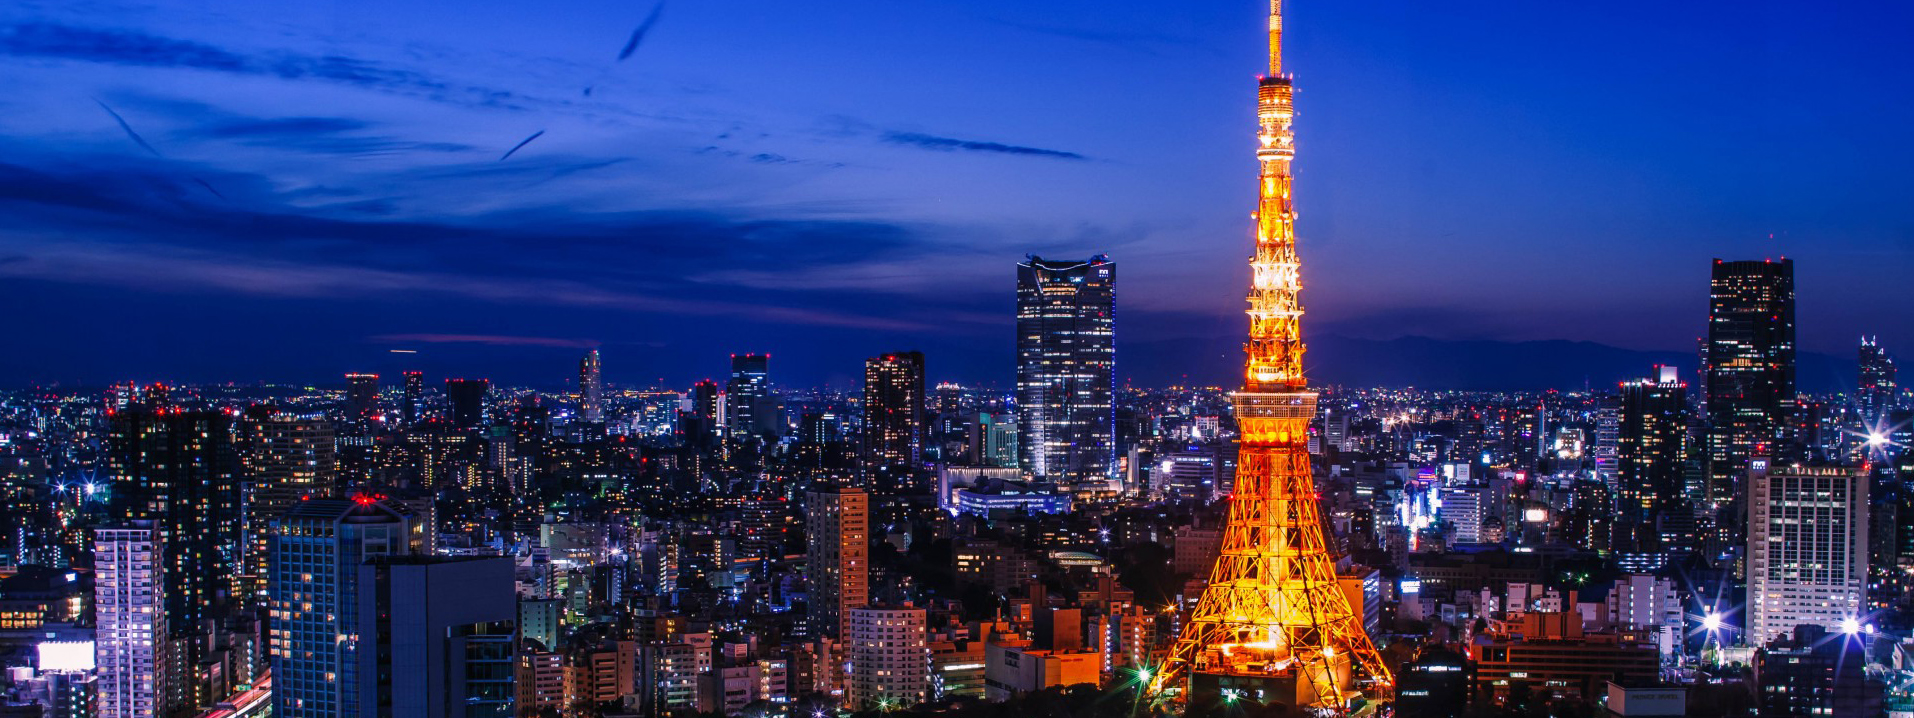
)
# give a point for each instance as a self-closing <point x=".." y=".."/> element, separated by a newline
<point x="1273" y="616"/>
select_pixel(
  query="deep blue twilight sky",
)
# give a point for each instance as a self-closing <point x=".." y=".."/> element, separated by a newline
<point x="300" y="187"/>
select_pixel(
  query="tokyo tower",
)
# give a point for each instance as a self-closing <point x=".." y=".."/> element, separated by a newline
<point x="1273" y="624"/>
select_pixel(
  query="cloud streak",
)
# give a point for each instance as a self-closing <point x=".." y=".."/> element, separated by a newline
<point x="951" y="144"/>
<point x="56" y="41"/>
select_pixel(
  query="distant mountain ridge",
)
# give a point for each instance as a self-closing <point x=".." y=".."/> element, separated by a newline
<point x="1481" y="365"/>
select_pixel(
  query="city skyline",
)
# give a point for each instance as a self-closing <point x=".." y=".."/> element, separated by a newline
<point x="1468" y="203"/>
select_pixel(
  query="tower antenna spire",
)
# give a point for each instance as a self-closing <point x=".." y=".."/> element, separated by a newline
<point x="1273" y="622"/>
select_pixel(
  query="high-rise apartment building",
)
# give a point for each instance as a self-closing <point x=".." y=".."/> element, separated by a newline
<point x="749" y="407"/>
<point x="838" y="521"/>
<point x="180" y="470"/>
<point x="1878" y="393"/>
<point x="362" y="397"/>
<point x="1653" y="422"/>
<point x="467" y="399"/>
<point x="317" y="634"/>
<point x="287" y="457"/>
<point x="1066" y="363"/>
<point x="1750" y="374"/>
<point x="591" y="389"/>
<point x="890" y="658"/>
<point x="412" y="401"/>
<point x="1807" y="548"/>
<point x="130" y="637"/>
<point x="894" y="419"/>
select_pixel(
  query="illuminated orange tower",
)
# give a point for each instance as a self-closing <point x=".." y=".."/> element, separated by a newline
<point x="1273" y="624"/>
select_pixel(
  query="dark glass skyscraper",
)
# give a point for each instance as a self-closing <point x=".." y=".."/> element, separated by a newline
<point x="1066" y="361"/>
<point x="362" y="397"/>
<point x="1653" y="423"/>
<point x="412" y="407"/>
<point x="467" y="397"/>
<point x="894" y="409"/>
<point x="1878" y="393"/>
<point x="747" y="397"/>
<point x="1750" y="373"/>
<point x="591" y="389"/>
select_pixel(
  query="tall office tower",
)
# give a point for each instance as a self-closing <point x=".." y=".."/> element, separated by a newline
<point x="1877" y="393"/>
<point x="704" y="400"/>
<point x="131" y="637"/>
<point x="838" y="523"/>
<point x="362" y="397"/>
<point x="467" y="397"/>
<point x="1750" y="372"/>
<point x="890" y="658"/>
<point x="747" y="397"/>
<point x="1274" y="623"/>
<point x="440" y="635"/>
<point x="1608" y="436"/>
<point x="1066" y="368"/>
<point x="894" y="409"/>
<point x="1654" y="419"/>
<point x="591" y="389"/>
<point x="179" y="470"/>
<point x="288" y="457"/>
<point x="412" y="405"/>
<point x="316" y="634"/>
<point x="1807" y="548"/>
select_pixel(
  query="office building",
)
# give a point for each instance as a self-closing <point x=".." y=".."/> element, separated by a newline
<point x="1648" y="456"/>
<point x="1878" y="393"/>
<point x="1551" y="654"/>
<point x="412" y="400"/>
<point x="749" y="407"/>
<point x="362" y="398"/>
<point x="1810" y="671"/>
<point x="131" y="634"/>
<point x="837" y="560"/>
<point x="317" y="634"/>
<point x="890" y="658"/>
<point x="1066" y="360"/>
<point x="287" y="457"/>
<point x="894" y="418"/>
<point x="1750" y="374"/>
<point x="1807" y="548"/>
<point x="467" y="400"/>
<point x="440" y="638"/>
<point x="591" y="389"/>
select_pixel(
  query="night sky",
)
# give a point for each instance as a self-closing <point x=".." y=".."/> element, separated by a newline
<point x="287" y="191"/>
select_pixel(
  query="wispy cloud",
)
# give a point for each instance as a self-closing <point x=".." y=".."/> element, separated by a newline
<point x="951" y="144"/>
<point x="490" y="339"/>
<point x="49" y="40"/>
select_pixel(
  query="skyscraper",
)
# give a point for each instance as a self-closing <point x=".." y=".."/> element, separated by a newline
<point x="1878" y="393"/>
<point x="316" y="632"/>
<point x="1066" y="364"/>
<point x="362" y="397"/>
<point x="467" y="397"/>
<point x="1274" y="623"/>
<point x="1750" y="373"/>
<point x="131" y="637"/>
<point x="412" y="406"/>
<point x="179" y="470"/>
<point x="287" y="457"/>
<point x="591" y="389"/>
<point x="748" y="405"/>
<point x="894" y="409"/>
<point x="442" y="634"/>
<point x="1653" y="421"/>
<point x="1807" y="548"/>
<point x="838" y="523"/>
